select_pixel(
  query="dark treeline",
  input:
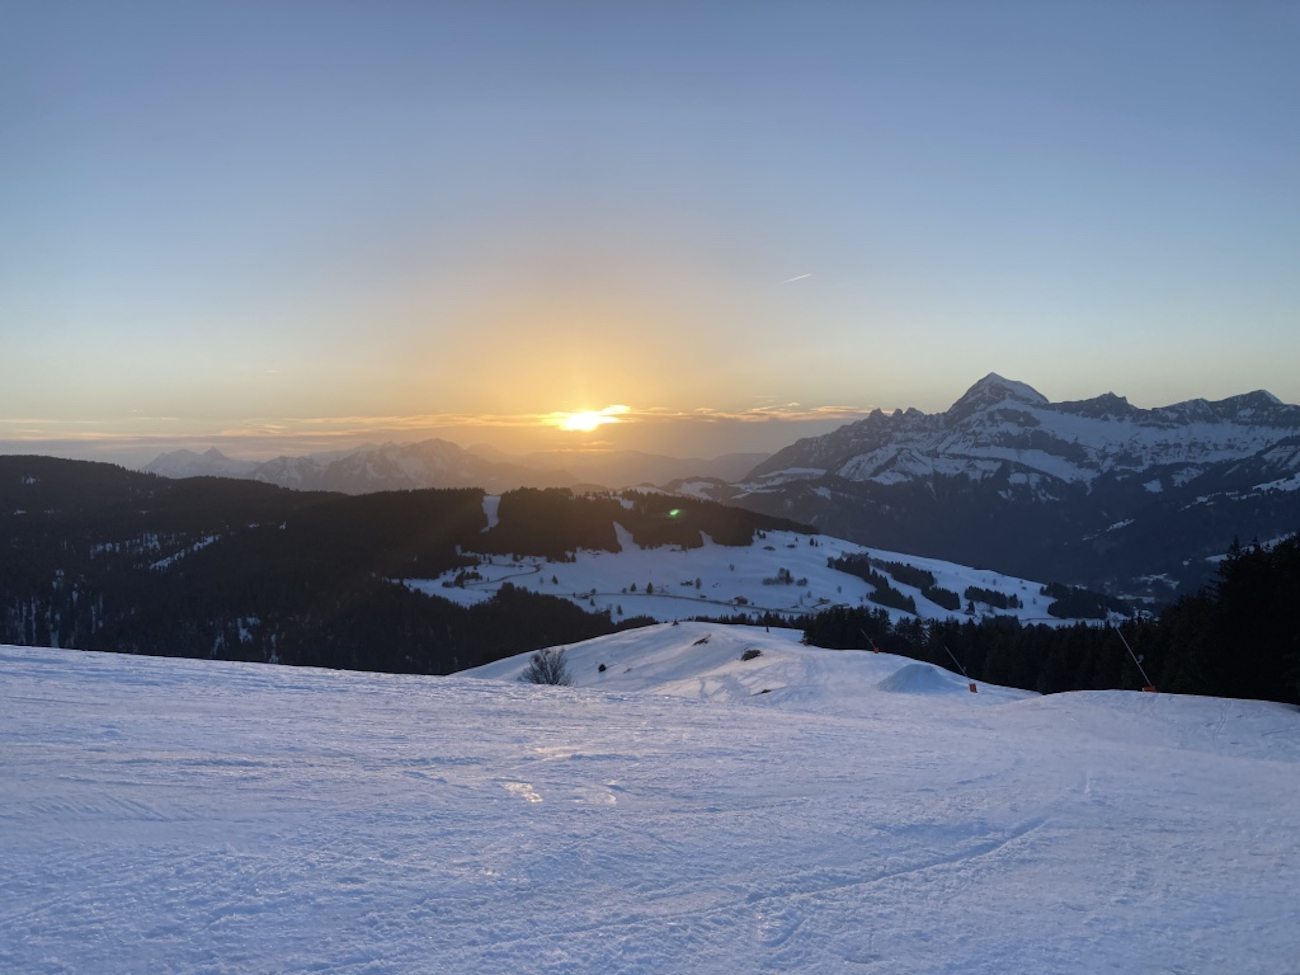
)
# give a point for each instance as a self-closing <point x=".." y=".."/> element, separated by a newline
<point x="882" y="592"/>
<point x="1239" y="637"/>
<point x="96" y="557"/>
<point x="551" y="522"/>
<point x="658" y="519"/>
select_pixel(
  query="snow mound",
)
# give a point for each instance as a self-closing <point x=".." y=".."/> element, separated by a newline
<point x="707" y="661"/>
<point x="923" y="679"/>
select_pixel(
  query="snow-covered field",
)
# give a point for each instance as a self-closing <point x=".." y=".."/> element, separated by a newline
<point x="662" y="582"/>
<point x="866" y="814"/>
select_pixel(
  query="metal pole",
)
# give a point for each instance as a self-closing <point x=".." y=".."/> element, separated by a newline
<point x="1136" y="663"/>
<point x="957" y="662"/>
<point x="973" y="689"/>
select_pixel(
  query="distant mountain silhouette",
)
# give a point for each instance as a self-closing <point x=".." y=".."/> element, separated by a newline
<point x="442" y="464"/>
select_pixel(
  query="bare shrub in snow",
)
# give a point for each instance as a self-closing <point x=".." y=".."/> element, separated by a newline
<point x="546" y="667"/>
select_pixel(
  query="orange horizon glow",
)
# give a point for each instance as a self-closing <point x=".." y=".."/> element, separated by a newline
<point x="585" y="421"/>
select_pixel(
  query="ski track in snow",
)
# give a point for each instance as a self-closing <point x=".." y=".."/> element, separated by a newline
<point x="208" y="817"/>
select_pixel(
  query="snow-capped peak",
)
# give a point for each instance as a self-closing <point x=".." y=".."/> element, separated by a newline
<point x="992" y="390"/>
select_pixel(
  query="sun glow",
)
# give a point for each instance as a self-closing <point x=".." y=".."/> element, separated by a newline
<point x="587" y="420"/>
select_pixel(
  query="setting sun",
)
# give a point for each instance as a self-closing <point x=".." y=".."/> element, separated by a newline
<point x="586" y="421"/>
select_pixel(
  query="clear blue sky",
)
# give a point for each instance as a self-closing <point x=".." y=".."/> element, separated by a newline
<point x="313" y="221"/>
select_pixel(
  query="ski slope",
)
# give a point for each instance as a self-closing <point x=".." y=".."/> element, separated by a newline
<point x="666" y="815"/>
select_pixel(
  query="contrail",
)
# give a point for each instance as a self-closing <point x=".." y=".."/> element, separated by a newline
<point x="797" y="277"/>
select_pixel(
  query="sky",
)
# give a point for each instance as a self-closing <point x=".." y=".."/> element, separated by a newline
<point x="277" y="227"/>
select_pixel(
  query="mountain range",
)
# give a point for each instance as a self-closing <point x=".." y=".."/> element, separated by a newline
<point x="1097" y="492"/>
<point x="442" y="464"/>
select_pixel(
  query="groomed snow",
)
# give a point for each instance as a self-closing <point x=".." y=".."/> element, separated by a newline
<point x="185" y="816"/>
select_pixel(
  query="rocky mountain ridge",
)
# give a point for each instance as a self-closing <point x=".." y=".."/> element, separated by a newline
<point x="1097" y="492"/>
<point x="1000" y="422"/>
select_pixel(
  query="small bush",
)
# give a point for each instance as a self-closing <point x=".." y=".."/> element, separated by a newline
<point x="751" y="653"/>
<point x="783" y="577"/>
<point x="547" y="667"/>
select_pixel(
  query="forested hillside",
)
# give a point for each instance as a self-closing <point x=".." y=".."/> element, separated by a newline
<point x="100" y="558"/>
<point x="1239" y="637"/>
